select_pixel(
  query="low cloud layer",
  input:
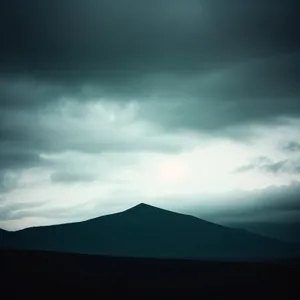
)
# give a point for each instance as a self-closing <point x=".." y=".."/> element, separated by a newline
<point x="293" y="146"/>
<point x="264" y="164"/>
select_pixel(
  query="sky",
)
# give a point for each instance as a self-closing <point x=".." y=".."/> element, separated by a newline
<point x="189" y="105"/>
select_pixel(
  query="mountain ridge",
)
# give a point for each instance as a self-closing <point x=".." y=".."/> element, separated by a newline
<point x="147" y="231"/>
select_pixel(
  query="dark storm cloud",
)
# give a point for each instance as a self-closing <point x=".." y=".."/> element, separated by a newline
<point x="256" y="162"/>
<point x="111" y="41"/>
<point x="124" y="47"/>
<point x="15" y="211"/>
<point x="24" y="136"/>
<point x="269" y="166"/>
<point x="245" y="168"/>
<point x="8" y="181"/>
<point x="19" y="144"/>
<point x="71" y="177"/>
<point x="19" y="92"/>
<point x="292" y="146"/>
<point x="19" y="160"/>
<point x="275" y="167"/>
<point x="257" y="91"/>
<point x="275" y="203"/>
<point x="285" y="198"/>
<point x="27" y="133"/>
<point x="115" y="35"/>
<point x="203" y="65"/>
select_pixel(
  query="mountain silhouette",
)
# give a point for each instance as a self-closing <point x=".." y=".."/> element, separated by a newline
<point x="148" y="231"/>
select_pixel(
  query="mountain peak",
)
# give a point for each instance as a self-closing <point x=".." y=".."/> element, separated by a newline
<point x="146" y="208"/>
<point x="149" y="210"/>
<point x="143" y="206"/>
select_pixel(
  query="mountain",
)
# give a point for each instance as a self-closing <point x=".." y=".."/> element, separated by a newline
<point x="147" y="231"/>
<point x="289" y="232"/>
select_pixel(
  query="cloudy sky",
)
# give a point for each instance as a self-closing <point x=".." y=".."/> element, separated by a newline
<point x="191" y="105"/>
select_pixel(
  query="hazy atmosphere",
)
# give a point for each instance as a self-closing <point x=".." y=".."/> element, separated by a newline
<point x="187" y="105"/>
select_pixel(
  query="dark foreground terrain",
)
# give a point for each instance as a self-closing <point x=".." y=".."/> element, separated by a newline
<point x="44" y="273"/>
